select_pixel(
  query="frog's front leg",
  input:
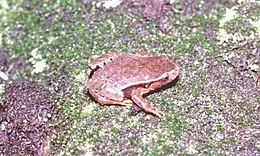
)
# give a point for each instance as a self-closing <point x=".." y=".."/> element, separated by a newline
<point x="137" y="97"/>
<point x="105" y="101"/>
<point x="103" y="60"/>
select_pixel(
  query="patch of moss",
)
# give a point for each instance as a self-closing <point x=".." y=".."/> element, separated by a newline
<point x="68" y="34"/>
<point x="210" y="149"/>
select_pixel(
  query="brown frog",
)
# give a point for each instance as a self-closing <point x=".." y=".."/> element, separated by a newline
<point x="120" y="79"/>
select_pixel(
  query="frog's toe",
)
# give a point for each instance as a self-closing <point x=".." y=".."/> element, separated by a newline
<point x="157" y="113"/>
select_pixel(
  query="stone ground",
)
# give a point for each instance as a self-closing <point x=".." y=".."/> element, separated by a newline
<point x="212" y="109"/>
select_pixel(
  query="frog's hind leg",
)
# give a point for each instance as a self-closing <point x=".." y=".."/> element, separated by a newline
<point x="104" y="101"/>
<point x="137" y="97"/>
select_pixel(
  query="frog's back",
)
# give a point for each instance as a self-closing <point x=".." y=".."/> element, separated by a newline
<point x="129" y="69"/>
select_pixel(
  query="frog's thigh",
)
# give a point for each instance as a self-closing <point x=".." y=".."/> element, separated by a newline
<point x="145" y="105"/>
<point x="104" y="101"/>
<point x="153" y="86"/>
<point x="156" y="85"/>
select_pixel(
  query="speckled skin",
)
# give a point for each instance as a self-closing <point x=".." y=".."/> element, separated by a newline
<point x="128" y="76"/>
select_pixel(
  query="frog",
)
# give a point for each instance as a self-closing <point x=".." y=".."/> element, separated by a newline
<point x="125" y="78"/>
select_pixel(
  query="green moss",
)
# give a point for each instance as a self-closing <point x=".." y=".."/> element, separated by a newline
<point x="68" y="34"/>
<point x="193" y="29"/>
<point x="238" y="25"/>
<point x="210" y="149"/>
<point x="208" y="110"/>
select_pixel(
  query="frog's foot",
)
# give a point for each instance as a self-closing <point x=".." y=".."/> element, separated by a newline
<point x="145" y="53"/>
<point x="143" y="104"/>
<point x="153" y="111"/>
<point x="103" y="60"/>
<point x="104" y="101"/>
